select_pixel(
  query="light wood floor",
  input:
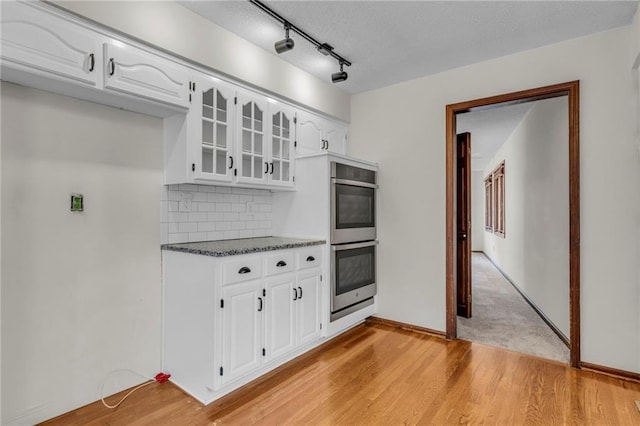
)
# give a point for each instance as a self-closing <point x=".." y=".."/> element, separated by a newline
<point x="375" y="374"/>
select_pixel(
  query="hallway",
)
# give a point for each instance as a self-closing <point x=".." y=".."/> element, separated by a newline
<point x="502" y="318"/>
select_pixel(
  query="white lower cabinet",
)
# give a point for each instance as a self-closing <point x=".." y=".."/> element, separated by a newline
<point x="308" y="306"/>
<point x="241" y="329"/>
<point x="228" y="320"/>
<point x="280" y="316"/>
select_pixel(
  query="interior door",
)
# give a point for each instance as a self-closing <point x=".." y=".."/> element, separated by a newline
<point x="463" y="255"/>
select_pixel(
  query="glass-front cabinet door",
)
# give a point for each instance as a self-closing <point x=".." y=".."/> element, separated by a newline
<point x="212" y="110"/>
<point x="282" y="139"/>
<point x="253" y="165"/>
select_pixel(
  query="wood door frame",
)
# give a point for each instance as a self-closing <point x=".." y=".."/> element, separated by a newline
<point x="570" y="89"/>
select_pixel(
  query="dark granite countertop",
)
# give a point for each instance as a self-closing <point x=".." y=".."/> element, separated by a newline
<point x="241" y="246"/>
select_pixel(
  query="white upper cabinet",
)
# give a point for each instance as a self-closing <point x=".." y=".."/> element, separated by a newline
<point x="136" y="72"/>
<point x="47" y="44"/>
<point x="283" y="129"/>
<point x="335" y="135"/>
<point x="316" y="134"/>
<point x="211" y="120"/>
<point x="252" y="165"/>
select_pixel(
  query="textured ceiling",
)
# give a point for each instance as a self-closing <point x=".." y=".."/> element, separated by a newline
<point x="489" y="130"/>
<point x="393" y="41"/>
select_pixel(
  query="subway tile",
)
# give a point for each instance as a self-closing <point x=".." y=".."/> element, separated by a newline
<point x="223" y="207"/>
<point x="228" y="235"/>
<point x="188" y="227"/>
<point x="214" y="197"/>
<point x="197" y="236"/>
<point x="238" y="207"/>
<point x="178" y="238"/>
<point x="217" y="216"/>
<point x="246" y="233"/>
<point x="188" y="187"/>
<point x="238" y="225"/>
<point x="223" y="226"/>
<point x="177" y="217"/>
<point x="173" y="227"/>
<point x="197" y="217"/>
<point x="206" y="226"/>
<point x="202" y="207"/>
<point x="200" y="196"/>
<point x="212" y="236"/>
<point x="173" y="195"/>
<point x="231" y="216"/>
<point x="173" y="206"/>
<point x="206" y="188"/>
<point x="164" y="233"/>
<point x="223" y="189"/>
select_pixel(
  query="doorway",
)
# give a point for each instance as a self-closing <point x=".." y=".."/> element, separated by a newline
<point x="453" y="206"/>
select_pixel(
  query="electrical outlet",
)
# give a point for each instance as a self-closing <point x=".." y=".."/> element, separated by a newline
<point x="185" y="202"/>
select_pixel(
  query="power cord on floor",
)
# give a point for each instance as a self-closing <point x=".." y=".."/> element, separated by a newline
<point x="160" y="378"/>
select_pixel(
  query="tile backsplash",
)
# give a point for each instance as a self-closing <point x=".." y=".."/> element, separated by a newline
<point x="202" y="212"/>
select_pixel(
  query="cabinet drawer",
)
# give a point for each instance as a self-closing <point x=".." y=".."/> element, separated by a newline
<point x="241" y="270"/>
<point x="279" y="262"/>
<point x="308" y="257"/>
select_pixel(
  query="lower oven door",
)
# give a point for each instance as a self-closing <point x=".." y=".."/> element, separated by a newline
<point x="353" y="273"/>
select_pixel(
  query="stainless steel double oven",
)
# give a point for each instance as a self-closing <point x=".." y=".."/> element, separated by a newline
<point x="353" y="238"/>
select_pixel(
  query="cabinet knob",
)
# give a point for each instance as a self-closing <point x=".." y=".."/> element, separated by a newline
<point x="281" y="264"/>
<point x="311" y="259"/>
<point x="244" y="270"/>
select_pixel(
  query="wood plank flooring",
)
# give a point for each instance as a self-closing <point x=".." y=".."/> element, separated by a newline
<point x="375" y="374"/>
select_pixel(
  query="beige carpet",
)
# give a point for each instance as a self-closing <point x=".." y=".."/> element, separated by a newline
<point x="502" y="318"/>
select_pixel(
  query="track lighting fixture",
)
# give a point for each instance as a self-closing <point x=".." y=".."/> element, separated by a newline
<point x="287" y="43"/>
<point x="337" y="77"/>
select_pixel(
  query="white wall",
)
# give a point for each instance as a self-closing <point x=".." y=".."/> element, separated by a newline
<point x="175" y="28"/>
<point x="477" y="210"/>
<point x="81" y="292"/>
<point x="534" y="252"/>
<point x="411" y="254"/>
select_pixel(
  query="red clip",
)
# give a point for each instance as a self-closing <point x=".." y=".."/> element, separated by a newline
<point x="162" y="377"/>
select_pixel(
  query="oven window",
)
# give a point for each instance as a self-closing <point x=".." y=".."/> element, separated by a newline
<point x="355" y="207"/>
<point x="355" y="268"/>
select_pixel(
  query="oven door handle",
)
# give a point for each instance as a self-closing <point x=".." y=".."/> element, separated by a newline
<point x="354" y="183"/>
<point x="353" y="246"/>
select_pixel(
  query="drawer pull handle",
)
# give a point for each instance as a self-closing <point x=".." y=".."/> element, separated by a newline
<point x="281" y="264"/>
<point x="112" y="67"/>
<point x="92" y="62"/>
<point x="244" y="270"/>
<point x="295" y="294"/>
<point x="300" y="288"/>
<point x="260" y="300"/>
<point x="311" y="259"/>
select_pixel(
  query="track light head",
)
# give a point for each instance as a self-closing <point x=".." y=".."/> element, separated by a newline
<point x="285" y="44"/>
<point x="337" y="77"/>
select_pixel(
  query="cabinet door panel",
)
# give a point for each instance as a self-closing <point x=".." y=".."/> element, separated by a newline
<point x="241" y="329"/>
<point x="280" y="337"/>
<point x="283" y="134"/>
<point x="130" y="70"/>
<point x="310" y="134"/>
<point x="335" y="135"/>
<point x="252" y="122"/>
<point x="308" y="307"/>
<point x="33" y="38"/>
<point x="211" y="121"/>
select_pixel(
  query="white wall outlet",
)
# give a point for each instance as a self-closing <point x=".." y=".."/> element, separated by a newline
<point x="185" y="202"/>
<point x="251" y="207"/>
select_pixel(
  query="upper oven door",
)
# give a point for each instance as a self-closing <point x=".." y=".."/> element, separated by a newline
<point x="353" y="211"/>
